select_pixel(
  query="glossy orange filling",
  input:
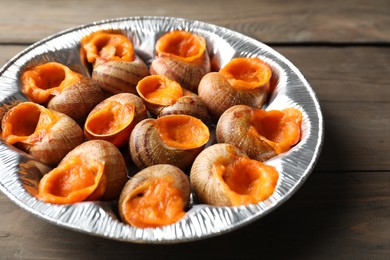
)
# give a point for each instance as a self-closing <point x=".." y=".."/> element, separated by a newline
<point x="27" y="123"/>
<point x="182" y="45"/>
<point x="106" y="46"/>
<point x="280" y="129"/>
<point x="182" y="131"/>
<point x="73" y="181"/>
<point x="111" y="118"/>
<point x="42" y="82"/>
<point x="246" y="181"/>
<point x="159" y="90"/>
<point x="155" y="203"/>
<point x="247" y="73"/>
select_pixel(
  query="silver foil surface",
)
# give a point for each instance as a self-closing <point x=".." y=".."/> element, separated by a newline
<point x="20" y="174"/>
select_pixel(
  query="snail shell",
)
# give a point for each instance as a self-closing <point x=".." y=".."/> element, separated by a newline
<point x="260" y="134"/>
<point x="189" y="104"/>
<point x="223" y="175"/>
<point x="114" y="63"/>
<point x="163" y="190"/>
<point x="158" y="91"/>
<point x="183" y="57"/>
<point x="186" y="74"/>
<point x="114" y="118"/>
<point x="77" y="100"/>
<point x="173" y="139"/>
<point x="243" y="81"/>
<point x="94" y="170"/>
<point x="45" y="134"/>
<point x="120" y="76"/>
<point x="164" y="96"/>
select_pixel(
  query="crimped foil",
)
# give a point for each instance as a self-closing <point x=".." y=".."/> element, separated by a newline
<point x="19" y="173"/>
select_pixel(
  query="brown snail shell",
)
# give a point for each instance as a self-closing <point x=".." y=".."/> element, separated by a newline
<point x="94" y="170"/>
<point x="223" y="175"/>
<point x="189" y="104"/>
<point x="120" y="76"/>
<point x="163" y="189"/>
<point x="173" y="139"/>
<point x="260" y="134"/>
<point x="188" y="75"/>
<point x="183" y="57"/>
<point x="114" y="118"/>
<point x="115" y="65"/>
<point x="45" y="134"/>
<point x="226" y="88"/>
<point x="78" y="99"/>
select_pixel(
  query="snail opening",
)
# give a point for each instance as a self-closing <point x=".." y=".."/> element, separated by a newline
<point x="27" y="123"/>
<point x="159" y="90"/>
<point x="41" y="82"/>
<point x="72" y="182"/>
<point x="268" y="124"/>
<point x="182" y="131"/>
<point x="247" y="73"/>
<point x="111" y="118"/>
<point x="182" y="45"/>
<point x="242" y="176"/>
<point x="157" y="202"/>
<point x="111" y="47"/>
<point x="49" y="76"/>
<point x="106" y="46"/>
<point x="247" y="181"/>
<point x="282" y="128"/>
<point x="24" y="119"/>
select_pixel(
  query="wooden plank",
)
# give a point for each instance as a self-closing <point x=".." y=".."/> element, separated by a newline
<point x="333" y="216"/>
<point x="9" y="51"/>
<point x="347" y="74"/>
<point x="357" y="136"/>
<point x="357" y="21"/>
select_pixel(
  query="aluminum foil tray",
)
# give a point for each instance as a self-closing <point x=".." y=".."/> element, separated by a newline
<point x="20" y="174"/>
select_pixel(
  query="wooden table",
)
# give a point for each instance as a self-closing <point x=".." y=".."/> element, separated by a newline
<point x="342" y="47"/>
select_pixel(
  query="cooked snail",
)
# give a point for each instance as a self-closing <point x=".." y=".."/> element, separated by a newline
<point x="114" y="118"/>
<point x="115" y="64"/>
<point x="243" y="81"/>
<point x="94" y="170"/>
<point x="173" y="139"/>
<point x="182" y="56"/>
<point x="223" y="175"/>
<point x="45" y="134"/>
<point x="156" y="196"/>
<point x="259" y="133"/>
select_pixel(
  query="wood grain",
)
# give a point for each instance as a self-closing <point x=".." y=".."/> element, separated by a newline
<point x="344" y="74"/>
<point x="7" y="52"/>
<point x="356" y="136"/>
<point x="296" y="21"/>
<point x="342" y="47"/>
